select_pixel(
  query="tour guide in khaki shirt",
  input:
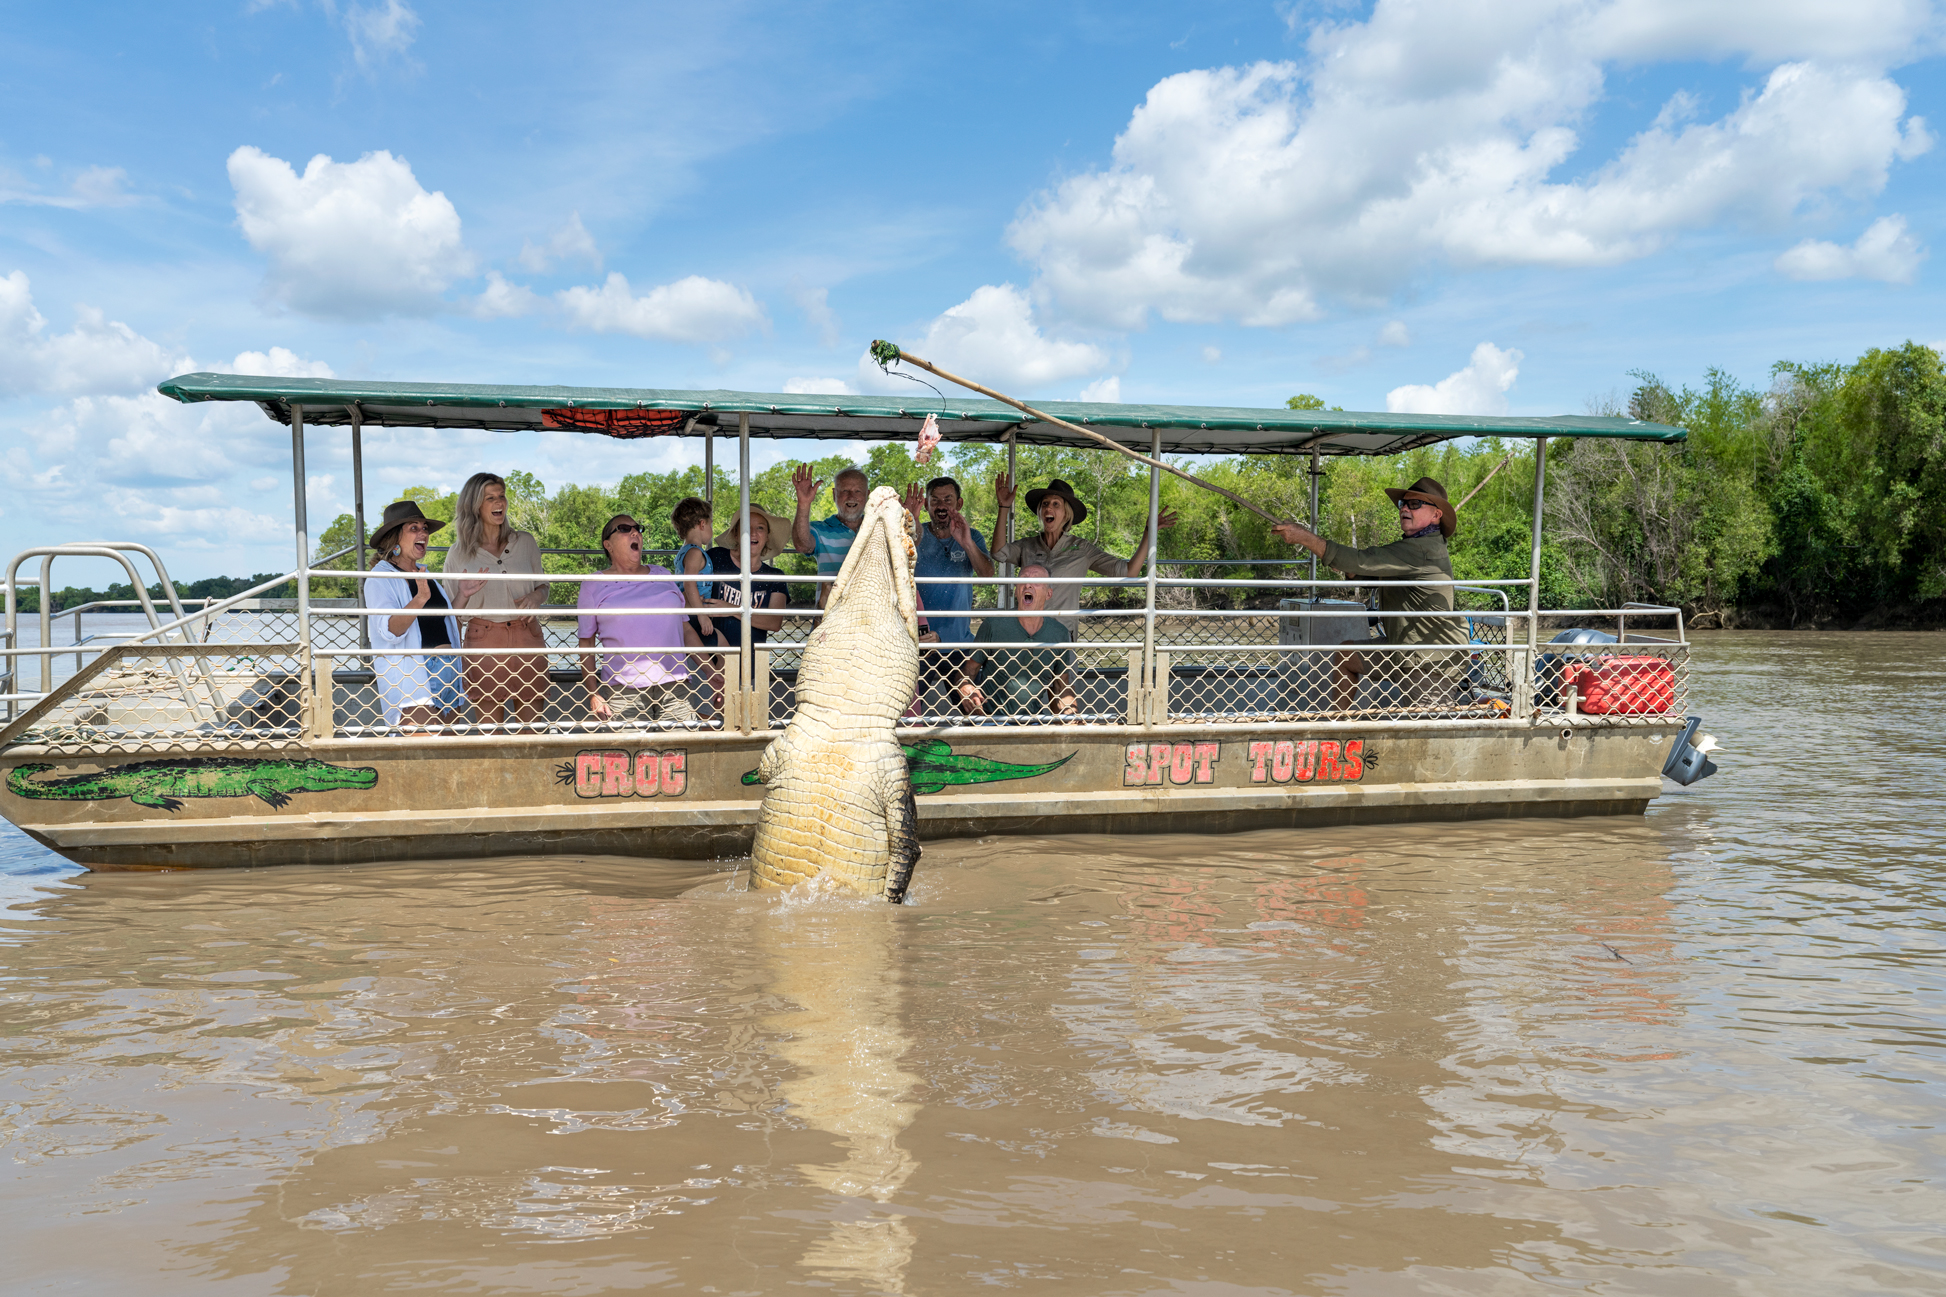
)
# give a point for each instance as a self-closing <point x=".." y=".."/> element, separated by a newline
<point x="1057" y="548"/>
<point x="1427" y="520"/>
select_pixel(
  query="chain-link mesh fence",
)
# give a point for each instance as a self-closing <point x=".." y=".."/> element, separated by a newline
<point x="1251" y="657"/>
<point x="565" y="690"/>
<point x="138" y="699"/>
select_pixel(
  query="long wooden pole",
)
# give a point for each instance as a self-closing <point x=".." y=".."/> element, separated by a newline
<point x="884" y="349"/>
<point x="1483" y="481"/>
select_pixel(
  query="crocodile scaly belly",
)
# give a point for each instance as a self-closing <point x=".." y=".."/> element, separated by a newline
<point x="823" y="818"/>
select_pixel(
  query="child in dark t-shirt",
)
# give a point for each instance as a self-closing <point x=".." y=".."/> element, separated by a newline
<point x="767" y="597"/>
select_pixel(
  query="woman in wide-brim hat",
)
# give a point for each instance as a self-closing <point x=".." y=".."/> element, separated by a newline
<point x="1057" y="548"/>
<point x="778" y="531"/>
<point x="411" y="611"/>
<point x="1427" y="520"/>
<point x="768" y="594"/>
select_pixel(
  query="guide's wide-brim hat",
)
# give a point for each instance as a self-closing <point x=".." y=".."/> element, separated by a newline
<point x="774" y="544"/>
<point x="397" y="515"/>
<point x="1063" y="490"/>
<point x="1431" y="492"/>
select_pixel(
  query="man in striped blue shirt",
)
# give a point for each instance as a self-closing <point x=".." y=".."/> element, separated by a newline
<point x="829" y="539"/>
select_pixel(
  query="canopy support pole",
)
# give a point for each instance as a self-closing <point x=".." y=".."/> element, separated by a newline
<point x="1155" y="558"/>
<point x="746" y="659"/>
<point x="358" y="514"/>
<point x="1007" y="523"/>
<point x="1534" y="578"/>
<point x="709" y="466"/>
<point x="307" y="684"/>
<point x="1316" y="473"/>
<point x="303" y="529"/>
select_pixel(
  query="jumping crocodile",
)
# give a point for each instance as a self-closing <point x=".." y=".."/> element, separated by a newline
<point x="163" y="784"/>
<point x="839" y="804"/>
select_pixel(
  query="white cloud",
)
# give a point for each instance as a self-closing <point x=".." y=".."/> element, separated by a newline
<point x="98" y="355"/>
<point x="1107" y="389"/>
<point x="991" y="338"/>
<point x="692" y="309"/>
<point x="571" y="242"/>
<point x="380" y="31"/>
<point x="1434" y="133"/>
<point x="1878" y="32"/>
<point x="1395" y="334"/>
<point x="816" y="305"/>
<point x="1885" y="251"/>
<point x="102" y="187"/>
<point x="149" y="441"/>
<point x="820" y="386"/>
<point x="1480" y="388"/>
<point x="279" y="362"/>
<point x="91" y="187"/>
<point x="1212" y="355"/>
<point x="501" y="300"/>
<point x="349" y="239"/>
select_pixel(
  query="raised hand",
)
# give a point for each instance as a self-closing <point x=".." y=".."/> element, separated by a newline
<point x="957" y="528"/>
<point x="806" y="486"/>
<point x="423" y="592"/>
<point x="467" y="589"/>
<point x="915" y="499"/>
<point x="1167" y="518"/>
<point x="1003" y="490"/>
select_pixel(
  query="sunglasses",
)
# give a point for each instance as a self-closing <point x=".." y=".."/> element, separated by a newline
<point x="1410" y="505"/>
<point x="625" y="529"/>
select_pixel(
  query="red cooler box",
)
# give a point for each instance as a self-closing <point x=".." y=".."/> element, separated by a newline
<point x="1624" y="686"/>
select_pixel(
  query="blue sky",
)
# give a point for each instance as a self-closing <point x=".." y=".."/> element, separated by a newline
<point x="1442" y="206"/>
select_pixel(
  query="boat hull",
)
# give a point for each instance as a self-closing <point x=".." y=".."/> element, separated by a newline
<point x="693" y="796"/>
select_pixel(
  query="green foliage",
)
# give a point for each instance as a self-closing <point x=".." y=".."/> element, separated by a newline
<point x="1304" y="401"/>
<point x="212" y="587"/>
<point x="1823" y="496"/>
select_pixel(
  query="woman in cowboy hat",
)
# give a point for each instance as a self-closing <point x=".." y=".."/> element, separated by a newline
<point x="411" y="613"/>
<point x="1427" y="520"/>
<point x="1058" y="549"/>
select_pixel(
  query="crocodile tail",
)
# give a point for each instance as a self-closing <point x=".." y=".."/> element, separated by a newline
<point x="20" y="779"/>
<point x="905" y="844"/>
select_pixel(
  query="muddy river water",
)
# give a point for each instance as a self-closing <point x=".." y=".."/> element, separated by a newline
<point x="1701" y="1051"/>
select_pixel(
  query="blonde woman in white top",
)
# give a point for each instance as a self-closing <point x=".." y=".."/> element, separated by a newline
<point x="501" y="687"/>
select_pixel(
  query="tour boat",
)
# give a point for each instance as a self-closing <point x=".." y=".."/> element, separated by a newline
<point x="249" y="731"/>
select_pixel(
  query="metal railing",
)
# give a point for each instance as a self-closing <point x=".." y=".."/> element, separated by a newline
<point x="236" y="672"/>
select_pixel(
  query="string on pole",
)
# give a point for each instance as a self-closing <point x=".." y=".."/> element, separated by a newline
<point x="889" y="353"/>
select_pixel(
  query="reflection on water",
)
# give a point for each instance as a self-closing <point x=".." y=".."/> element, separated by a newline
<point x="1697" y="1052"/>
<point x="836" y="961"/>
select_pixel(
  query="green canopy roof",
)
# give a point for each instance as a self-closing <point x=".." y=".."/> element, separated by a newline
<point x="1186" y="429"/>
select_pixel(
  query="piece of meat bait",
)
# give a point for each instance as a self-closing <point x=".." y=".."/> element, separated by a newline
<point x="928" y="439"/>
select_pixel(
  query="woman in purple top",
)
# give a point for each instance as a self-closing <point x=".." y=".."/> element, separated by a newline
<point x="633" y="687"/>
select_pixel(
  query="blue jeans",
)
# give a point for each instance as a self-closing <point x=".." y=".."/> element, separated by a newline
<point x="443" y="675"/>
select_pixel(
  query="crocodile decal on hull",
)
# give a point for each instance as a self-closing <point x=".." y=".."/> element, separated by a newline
<point x="163" y="784"/>
<point x="933" y="766"/>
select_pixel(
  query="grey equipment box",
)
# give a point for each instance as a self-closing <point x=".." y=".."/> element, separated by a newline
<point x="1307" y="677"/>
<point x="1344" y="622"/>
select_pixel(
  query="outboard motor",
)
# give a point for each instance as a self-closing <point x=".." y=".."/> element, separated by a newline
<point x="1689" y="758"/>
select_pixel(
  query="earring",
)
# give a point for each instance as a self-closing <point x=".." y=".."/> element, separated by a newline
<point x="395" y="551"/>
